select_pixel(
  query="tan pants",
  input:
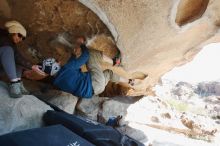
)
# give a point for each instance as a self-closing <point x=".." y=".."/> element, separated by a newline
<point x="100" y="78"/>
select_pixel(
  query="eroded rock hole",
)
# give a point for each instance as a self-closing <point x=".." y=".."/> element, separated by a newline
<point x="190" y="10"/>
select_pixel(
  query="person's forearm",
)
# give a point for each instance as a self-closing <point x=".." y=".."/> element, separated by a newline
<point x="78" y="62"/>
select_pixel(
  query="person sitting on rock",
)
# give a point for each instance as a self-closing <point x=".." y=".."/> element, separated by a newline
<point x="9" y="38"/>
<point x="71" y="79"/>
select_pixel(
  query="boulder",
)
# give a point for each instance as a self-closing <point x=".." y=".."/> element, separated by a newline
<point x="20" y="113"/>
<point x="148" y="36"/>
<point x="89" y="107"/>
<point x="189" y="10"/>
<point x="113" y="108"/>
<point x="46" y="91"/>
<point x="63" y="100"/>
<point x="217" y="88"/>
<point x="114" y="89"/>
<point x="134" y="133"/>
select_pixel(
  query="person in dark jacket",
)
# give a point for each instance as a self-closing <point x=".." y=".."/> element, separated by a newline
<point x="9" y="38"/>
<point x="71" y="79"/>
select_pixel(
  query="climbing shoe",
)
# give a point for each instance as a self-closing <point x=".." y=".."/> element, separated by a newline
<point x="114" y="121"/>
<point x="131" y="82"/>
<point x="15" y="90"/>
<point x="24" y="91"/>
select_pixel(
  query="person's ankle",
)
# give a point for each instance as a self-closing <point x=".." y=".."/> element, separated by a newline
<point x="18" y="81"/>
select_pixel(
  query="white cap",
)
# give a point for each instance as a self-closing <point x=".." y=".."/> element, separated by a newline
<point x="16" y="27"/>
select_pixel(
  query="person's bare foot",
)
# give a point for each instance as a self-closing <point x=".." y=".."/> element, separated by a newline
<point x="131" y="82"/>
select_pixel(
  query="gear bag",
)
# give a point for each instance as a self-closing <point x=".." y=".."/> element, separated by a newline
<point x="56" y="135"/>
<point x="96" y="133"/>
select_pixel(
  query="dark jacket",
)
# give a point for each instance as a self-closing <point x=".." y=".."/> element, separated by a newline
<point x="5" y="40"/>
<point x="71" y="79"/>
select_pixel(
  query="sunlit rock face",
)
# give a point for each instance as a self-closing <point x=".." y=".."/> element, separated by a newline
<point x="153" y="35"/>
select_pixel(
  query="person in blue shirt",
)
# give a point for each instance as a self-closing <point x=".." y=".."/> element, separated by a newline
<point x="71" y="79"/>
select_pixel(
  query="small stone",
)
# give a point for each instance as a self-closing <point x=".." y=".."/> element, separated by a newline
<point x="155" y="119"/>
<point x="166" y="115"/>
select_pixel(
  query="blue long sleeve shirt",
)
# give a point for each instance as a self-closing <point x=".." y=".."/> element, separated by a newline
<point x="70" y="78"/>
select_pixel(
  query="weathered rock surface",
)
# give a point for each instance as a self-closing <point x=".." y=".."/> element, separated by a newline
<point x="21" y="113"/>
<point x="201" y="98"/>
<point x="139" y="116"/>
<point x="150" y="119"/>
<point x="65" y="101"/>
<point x="89" y="107"/>
<point x="146" y="32"/>
<point x="148" y="36"/>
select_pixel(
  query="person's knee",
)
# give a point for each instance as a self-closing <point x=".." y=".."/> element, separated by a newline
<point x="98" y="87"/>
<point x="111" y="76"/>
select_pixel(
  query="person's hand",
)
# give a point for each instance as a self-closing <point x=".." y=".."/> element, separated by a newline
<point x="80" y="40"/>
<point x="77" y="52"/>
<point x="37" y="68"/>
<point x="35" y="73"/>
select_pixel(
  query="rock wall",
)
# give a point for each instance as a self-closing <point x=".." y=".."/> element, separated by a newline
<point x="20" y="113"/>
<point x="153" y="35"/>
